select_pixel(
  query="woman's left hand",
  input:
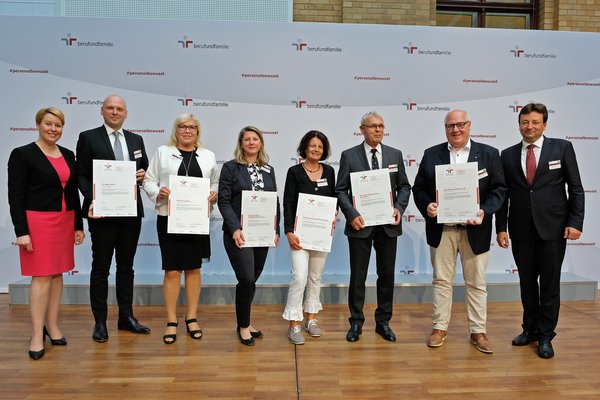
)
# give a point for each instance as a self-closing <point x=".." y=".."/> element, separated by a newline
<point x="79" y="236"/>
<point x="212" y="197"/>
<point x="276" y="240"/>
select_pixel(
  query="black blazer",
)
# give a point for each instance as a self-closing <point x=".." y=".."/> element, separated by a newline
<point x="33" y="184"/>
<point x="296" y="182"/>
<point x="233" y="179"/>
<point x="546" y="202"/>
<point x="354" y="160"/>
<point x="492" y="191"/>
<point x="95" y="145"/>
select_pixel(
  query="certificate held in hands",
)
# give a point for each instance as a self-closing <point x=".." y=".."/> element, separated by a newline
<point x="259" y="218"/>
<point x="457" y="192"/>
<point x="189" y="208"/>
<point x="372" y="196"/>
<point x="114" y="186"/>
<point x="315" y="218"/>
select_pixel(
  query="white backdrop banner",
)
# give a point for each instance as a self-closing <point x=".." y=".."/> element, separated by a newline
<point x="290" y="78"/>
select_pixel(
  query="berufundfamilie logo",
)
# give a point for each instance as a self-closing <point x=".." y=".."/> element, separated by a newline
<point x="410" y="105"/>
<point x="71" y="99"/>
<point x="520" y="53"/>
<point x="301" y="103"/>
<point x="301" y="45"/>
<point x="187" y="43"/>
<point x="412" y="49"/>
<point x="185" y="101"/>
<point x="71" y="40"/>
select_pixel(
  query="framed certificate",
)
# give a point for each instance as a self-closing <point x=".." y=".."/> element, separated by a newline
<point x="457" y="192"/>
<point x="315" y="218"/>
<point x="114" y="186"/>
<point x="372" y="196"/>
<point x="259" y="218"/>
<point x="189" y="208"/>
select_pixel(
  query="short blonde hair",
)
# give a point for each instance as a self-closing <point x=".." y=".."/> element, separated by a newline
<point x="185" y="117"/>
<point x="39" y="116"/>
<point x="240" y="157"/>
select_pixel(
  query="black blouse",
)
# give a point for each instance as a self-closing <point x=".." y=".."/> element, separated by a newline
<point x="296" y="182"/>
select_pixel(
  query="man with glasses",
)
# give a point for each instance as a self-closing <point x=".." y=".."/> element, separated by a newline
<point x="541" y="216"/>
<point x="471" y="240"/>
<point x="372" y="154"/>
<point x="118" y="235"/>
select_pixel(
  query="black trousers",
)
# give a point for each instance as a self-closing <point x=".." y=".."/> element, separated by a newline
<point x="118" y="235"/>
<point x="360" y="253"/>
<point x="248" y="264"/>
<point x="537" y="258"/>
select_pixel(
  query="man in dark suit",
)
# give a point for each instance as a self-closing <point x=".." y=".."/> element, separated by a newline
<point x="372" y="154"/>
<point x="541" y="217"/>
<point x="470" y="239"/>
<point x="118" y="235"/>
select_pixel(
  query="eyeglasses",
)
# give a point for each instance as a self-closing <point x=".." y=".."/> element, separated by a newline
<point x="459" y="125"/>
<point x="192" y="128"/>
<point x="375" y="126"/>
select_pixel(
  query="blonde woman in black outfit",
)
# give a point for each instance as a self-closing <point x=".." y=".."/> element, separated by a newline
<point x="311" y="176"/>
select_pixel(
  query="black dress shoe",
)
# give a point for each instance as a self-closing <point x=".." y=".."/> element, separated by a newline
<point x="353" y="334"/>
<point x="35" y="355"/>
<point x="100" y="334"/>
<point x="545" y="349"/>
<point x="55" y="342"/>
<point x="385" y="332"/>
<point x="256" y="335"/>
<point x="524" y="338"/>
<point x="131" y="324"/>
<point x="245" y="342"/>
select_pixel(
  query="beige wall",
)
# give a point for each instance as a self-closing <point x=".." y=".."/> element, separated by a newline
<point x="563" y="15"/>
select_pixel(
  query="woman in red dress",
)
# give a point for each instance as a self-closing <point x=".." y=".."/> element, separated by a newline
<point x="46" y="214"/>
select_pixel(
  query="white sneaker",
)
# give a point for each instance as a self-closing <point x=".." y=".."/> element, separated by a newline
<point x="312" y="328"/>
<point x="295" y="335"/>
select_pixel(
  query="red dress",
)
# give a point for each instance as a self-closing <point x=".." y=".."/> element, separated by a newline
<point x="52" y="235"/>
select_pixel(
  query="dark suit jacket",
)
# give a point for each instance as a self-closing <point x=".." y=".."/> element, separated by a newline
<point x="95" y="145"/>
<point x="545" y="203"/>
<point x="354" y="160"/>
<point x="33" y="184"/>
<point x="233" y="179"/>
<point x="492" y="191"/>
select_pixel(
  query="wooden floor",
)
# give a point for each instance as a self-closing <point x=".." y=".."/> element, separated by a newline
<point x="132" y="366"/>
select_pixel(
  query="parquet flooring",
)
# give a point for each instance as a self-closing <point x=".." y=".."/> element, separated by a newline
<point x="132" y="366"/>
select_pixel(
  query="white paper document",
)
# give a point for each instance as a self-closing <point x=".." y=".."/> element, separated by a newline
<point x="372" y="196"/>
<point x="315" y="218"/>
<point x="114" y="185"/>
<point x="259" y="218"/>
<point x="189" y="208"/>
<point x="457" y="192"/>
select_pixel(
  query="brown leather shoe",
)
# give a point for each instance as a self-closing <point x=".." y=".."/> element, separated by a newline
<point x="481" y="343"/>
<point x="437" y="337"/>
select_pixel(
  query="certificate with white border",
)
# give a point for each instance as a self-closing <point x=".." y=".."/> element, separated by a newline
<point x="315" y="219"/>
<point x="114" y="188"/>
<point x="259" y="218"/>
<point x="372" y="196"/>
<point x="189" y="208"/>
<point x="457" y="192"/>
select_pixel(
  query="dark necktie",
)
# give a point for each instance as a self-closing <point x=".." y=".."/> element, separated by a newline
<point x="374" y="162"/>
<point x="118" y="149"/>
<point x="530" y="165"/>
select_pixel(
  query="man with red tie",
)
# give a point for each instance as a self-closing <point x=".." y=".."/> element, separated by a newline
<point x="541" y="215"/>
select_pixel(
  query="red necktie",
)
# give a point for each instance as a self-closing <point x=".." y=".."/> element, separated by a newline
<point x="530" y="164"/>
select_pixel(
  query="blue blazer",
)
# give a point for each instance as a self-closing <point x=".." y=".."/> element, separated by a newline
<point x="545" y="203"/>
<point x="354" y="160"/>
<point x="492" y="191"/>
<point x="233" y="179"/>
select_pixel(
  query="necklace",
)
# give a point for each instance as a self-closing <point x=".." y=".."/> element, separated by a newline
<point x="310" y="170"/>
<point x="186" y="167"/>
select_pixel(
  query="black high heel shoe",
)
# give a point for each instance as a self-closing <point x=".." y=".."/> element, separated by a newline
<point x="172" y="335"/>
<point x="35" y="355"/>
<point x="194" y="333"/>
<point x="55" y="342"/>
<point x="245" y="342"/>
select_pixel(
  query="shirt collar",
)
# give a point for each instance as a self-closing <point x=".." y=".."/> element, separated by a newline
<point x="466" y="148"/>
<point x="538" y="143"/>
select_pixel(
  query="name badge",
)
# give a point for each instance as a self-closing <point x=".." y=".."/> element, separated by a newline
<point x="266" y="168"/>
<point x="482" y="173"/>
<point x="137" y="154"/>
<point x="393" y="167"/>
<point x="554" y="164"/>
<point x="322" y="182"/>
<point x="176" y="156"/>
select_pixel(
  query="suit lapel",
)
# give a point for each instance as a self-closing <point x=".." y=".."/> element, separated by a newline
<point x="444" y="154"/>
<point x="542" y="166"/>
<point x="106" y="141"/>
<point x="474" y="153"/>
<point x="362" y="156"/>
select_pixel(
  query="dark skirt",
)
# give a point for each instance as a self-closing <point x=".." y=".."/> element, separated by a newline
<point x="181" y="251"/>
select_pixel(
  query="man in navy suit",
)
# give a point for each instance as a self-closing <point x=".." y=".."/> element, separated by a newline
<point x="470" y="239"/>
<point x="541" y="217"/>
<point x="372" y="154"/>
<point x="118" y="235"/>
